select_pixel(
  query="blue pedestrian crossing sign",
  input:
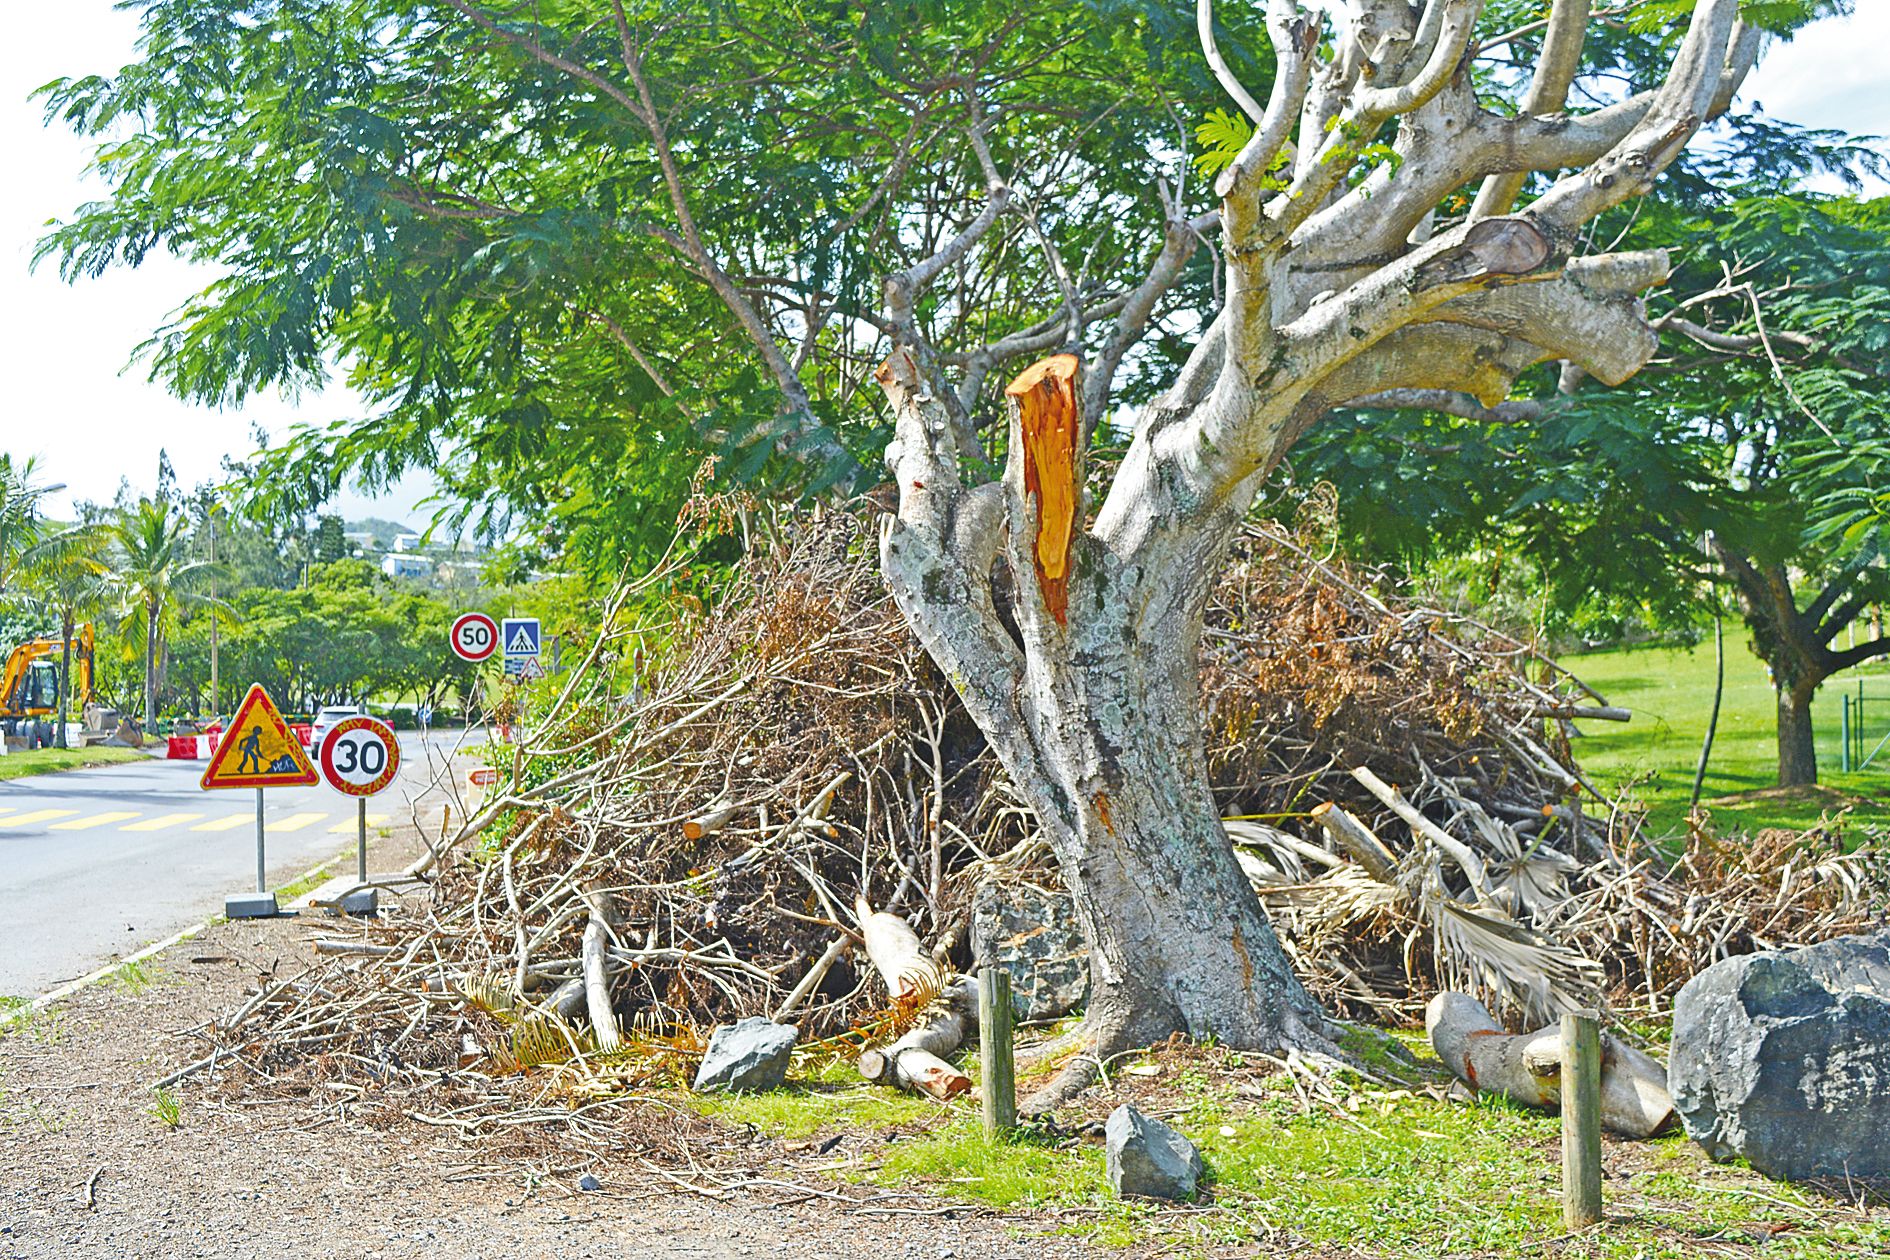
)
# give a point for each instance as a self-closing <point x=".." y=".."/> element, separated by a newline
<point x="520" y="638"/>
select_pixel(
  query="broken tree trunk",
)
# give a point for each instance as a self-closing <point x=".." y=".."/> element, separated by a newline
<point x="1527" y="1067"/>
<point x="916" y="1061"/>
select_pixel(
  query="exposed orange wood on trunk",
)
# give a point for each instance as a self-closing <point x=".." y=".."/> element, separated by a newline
<point x="1045" y="394"/>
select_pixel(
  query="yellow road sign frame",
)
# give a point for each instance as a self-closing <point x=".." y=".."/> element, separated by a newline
<point x="258" y="737"/>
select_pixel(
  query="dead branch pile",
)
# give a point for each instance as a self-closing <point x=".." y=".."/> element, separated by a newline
<point x="683" y="835"/>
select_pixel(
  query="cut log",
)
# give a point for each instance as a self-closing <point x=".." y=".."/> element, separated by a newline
<point x="1359" y="840"/>
<point x="1459" y="852"/>
<point x="811" y="981"/>
<point x="896" y="953"/>
<point x="1527" y="1067"/>
<point x="709" y="821"/>
<point x="916" y="1061"/>
<point x="597" y="936"/>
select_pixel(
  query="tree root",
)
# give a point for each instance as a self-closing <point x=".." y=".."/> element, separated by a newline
<point x="1103" y="1037"/>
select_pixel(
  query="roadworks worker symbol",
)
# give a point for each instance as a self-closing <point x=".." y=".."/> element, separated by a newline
<point x="259" y="750"/>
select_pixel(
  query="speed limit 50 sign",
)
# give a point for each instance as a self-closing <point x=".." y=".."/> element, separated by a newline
<point x="475" y="636"/>
<point x="360" y="756"/>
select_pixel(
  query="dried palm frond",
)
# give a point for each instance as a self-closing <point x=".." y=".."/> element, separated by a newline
<point x="541" y="1039"/>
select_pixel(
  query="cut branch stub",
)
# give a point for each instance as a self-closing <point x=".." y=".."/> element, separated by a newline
<point x="1045" y="397"/>
<point x="1491" y="247"/>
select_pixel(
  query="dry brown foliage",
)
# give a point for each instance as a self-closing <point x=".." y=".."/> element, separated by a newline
<point x="716" y="783"/>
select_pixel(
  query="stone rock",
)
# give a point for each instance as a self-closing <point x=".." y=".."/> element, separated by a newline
<point x="750" y="1054"/>
<point x="1784" y="1058"/>
<point x="1147" y="1158"/>
<point x="1032" y="934"/>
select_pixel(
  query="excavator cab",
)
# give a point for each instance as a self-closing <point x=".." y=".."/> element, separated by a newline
<point x="29" y="687"/>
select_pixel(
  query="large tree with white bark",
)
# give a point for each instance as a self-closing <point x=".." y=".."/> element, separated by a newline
<point x="1338" y="289"/>
<point x="476" y="206"/>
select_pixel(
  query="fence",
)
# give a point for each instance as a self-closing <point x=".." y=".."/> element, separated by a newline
<point x="1854" y="728"/>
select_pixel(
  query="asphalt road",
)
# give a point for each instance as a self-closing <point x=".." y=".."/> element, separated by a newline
<point x="98" y="863"/>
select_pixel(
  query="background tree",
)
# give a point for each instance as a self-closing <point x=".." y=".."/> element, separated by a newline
<point x="330" y="544"/>
<point x="20" y="521"/>
<point x="564" y="316"/>
<point x="153" y="574"/>
<point x="715" y="198"/>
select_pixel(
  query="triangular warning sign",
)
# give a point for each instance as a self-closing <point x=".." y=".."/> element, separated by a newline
<point x="522" y="644"/>
<point x="259" y="750"/>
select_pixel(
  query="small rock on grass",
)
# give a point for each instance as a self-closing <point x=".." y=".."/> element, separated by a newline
<point x="751" y="1054"/>
<point x="1147" y="1158"/>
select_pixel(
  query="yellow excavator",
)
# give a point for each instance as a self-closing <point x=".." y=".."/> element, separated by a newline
<point x="29" y="686"/>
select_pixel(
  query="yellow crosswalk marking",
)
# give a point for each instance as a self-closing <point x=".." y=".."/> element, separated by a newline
<point x="96" y="820"/>
<point x="160" y="823"/>
<point x="37" y="816"/>
<point x="295" y="822"/>
<point x="224" y="824"/>
<point x="353" y="825"/>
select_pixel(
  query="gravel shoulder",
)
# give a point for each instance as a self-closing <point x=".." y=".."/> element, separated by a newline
<point x="89" y="1165"/>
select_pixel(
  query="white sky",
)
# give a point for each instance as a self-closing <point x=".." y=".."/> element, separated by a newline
<point x="74" y="399"/>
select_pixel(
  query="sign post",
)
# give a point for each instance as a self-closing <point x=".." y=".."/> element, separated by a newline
<point x="359" y="758"/>
<point x="258" y="751"/>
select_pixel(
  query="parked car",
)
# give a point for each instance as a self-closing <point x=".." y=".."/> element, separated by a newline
<point x="328" y="718"/>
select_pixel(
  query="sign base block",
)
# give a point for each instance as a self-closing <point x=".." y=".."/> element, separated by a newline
<point x="250" y="906"/>
<point x="364" y="902"/>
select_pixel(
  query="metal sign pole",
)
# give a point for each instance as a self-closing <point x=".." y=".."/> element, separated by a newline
<point x="361" y="849"/>
<point x="262" y="883"/>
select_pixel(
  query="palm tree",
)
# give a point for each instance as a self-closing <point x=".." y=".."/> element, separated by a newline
<point x="66" y="573"/>
<point x="154" y="574"/>
<point x="20" y="521"/>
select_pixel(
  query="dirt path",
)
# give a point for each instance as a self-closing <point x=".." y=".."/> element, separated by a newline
<point x="89" y="1167"/>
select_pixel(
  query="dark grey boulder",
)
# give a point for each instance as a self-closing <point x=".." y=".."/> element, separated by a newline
<point x="750" y="1054"/>
<point x="1032" y="934"/>
<point x="1784" y="1058"/>
<point x="1147" y="1158"/>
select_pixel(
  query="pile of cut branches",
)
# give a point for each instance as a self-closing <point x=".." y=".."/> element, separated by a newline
<point x="681" y="837"/>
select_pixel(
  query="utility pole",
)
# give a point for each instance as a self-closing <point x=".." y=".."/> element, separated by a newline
<point x="213" y="612"/>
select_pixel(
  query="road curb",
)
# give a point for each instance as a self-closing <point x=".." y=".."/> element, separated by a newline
<point x="91" y="978"/>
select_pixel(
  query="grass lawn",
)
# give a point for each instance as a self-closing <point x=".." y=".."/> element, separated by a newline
<point x="17" y="765"/>
<point x="1373" y="1171"/>
<point x="1671" y="694"/>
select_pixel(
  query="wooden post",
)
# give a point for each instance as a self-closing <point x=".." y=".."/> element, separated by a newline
<point x="1581" y="1121"/>
<point x="997" y="1068"/>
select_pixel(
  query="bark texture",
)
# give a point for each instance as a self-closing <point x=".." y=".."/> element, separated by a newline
<point x="1341" y="285"/>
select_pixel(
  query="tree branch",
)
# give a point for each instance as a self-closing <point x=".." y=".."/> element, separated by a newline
<point x="1294" y="39"/>
<point x="1677" y="109"/>
<point x="1451" y="403"/>
<point x="1560" y="58"/>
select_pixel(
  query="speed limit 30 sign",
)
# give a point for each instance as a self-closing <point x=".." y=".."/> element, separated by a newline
<point x="475" y="636"/>
<point x="360" y="756"/>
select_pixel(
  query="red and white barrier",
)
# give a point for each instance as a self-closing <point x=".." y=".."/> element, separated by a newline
<point x="193" y="747"/>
